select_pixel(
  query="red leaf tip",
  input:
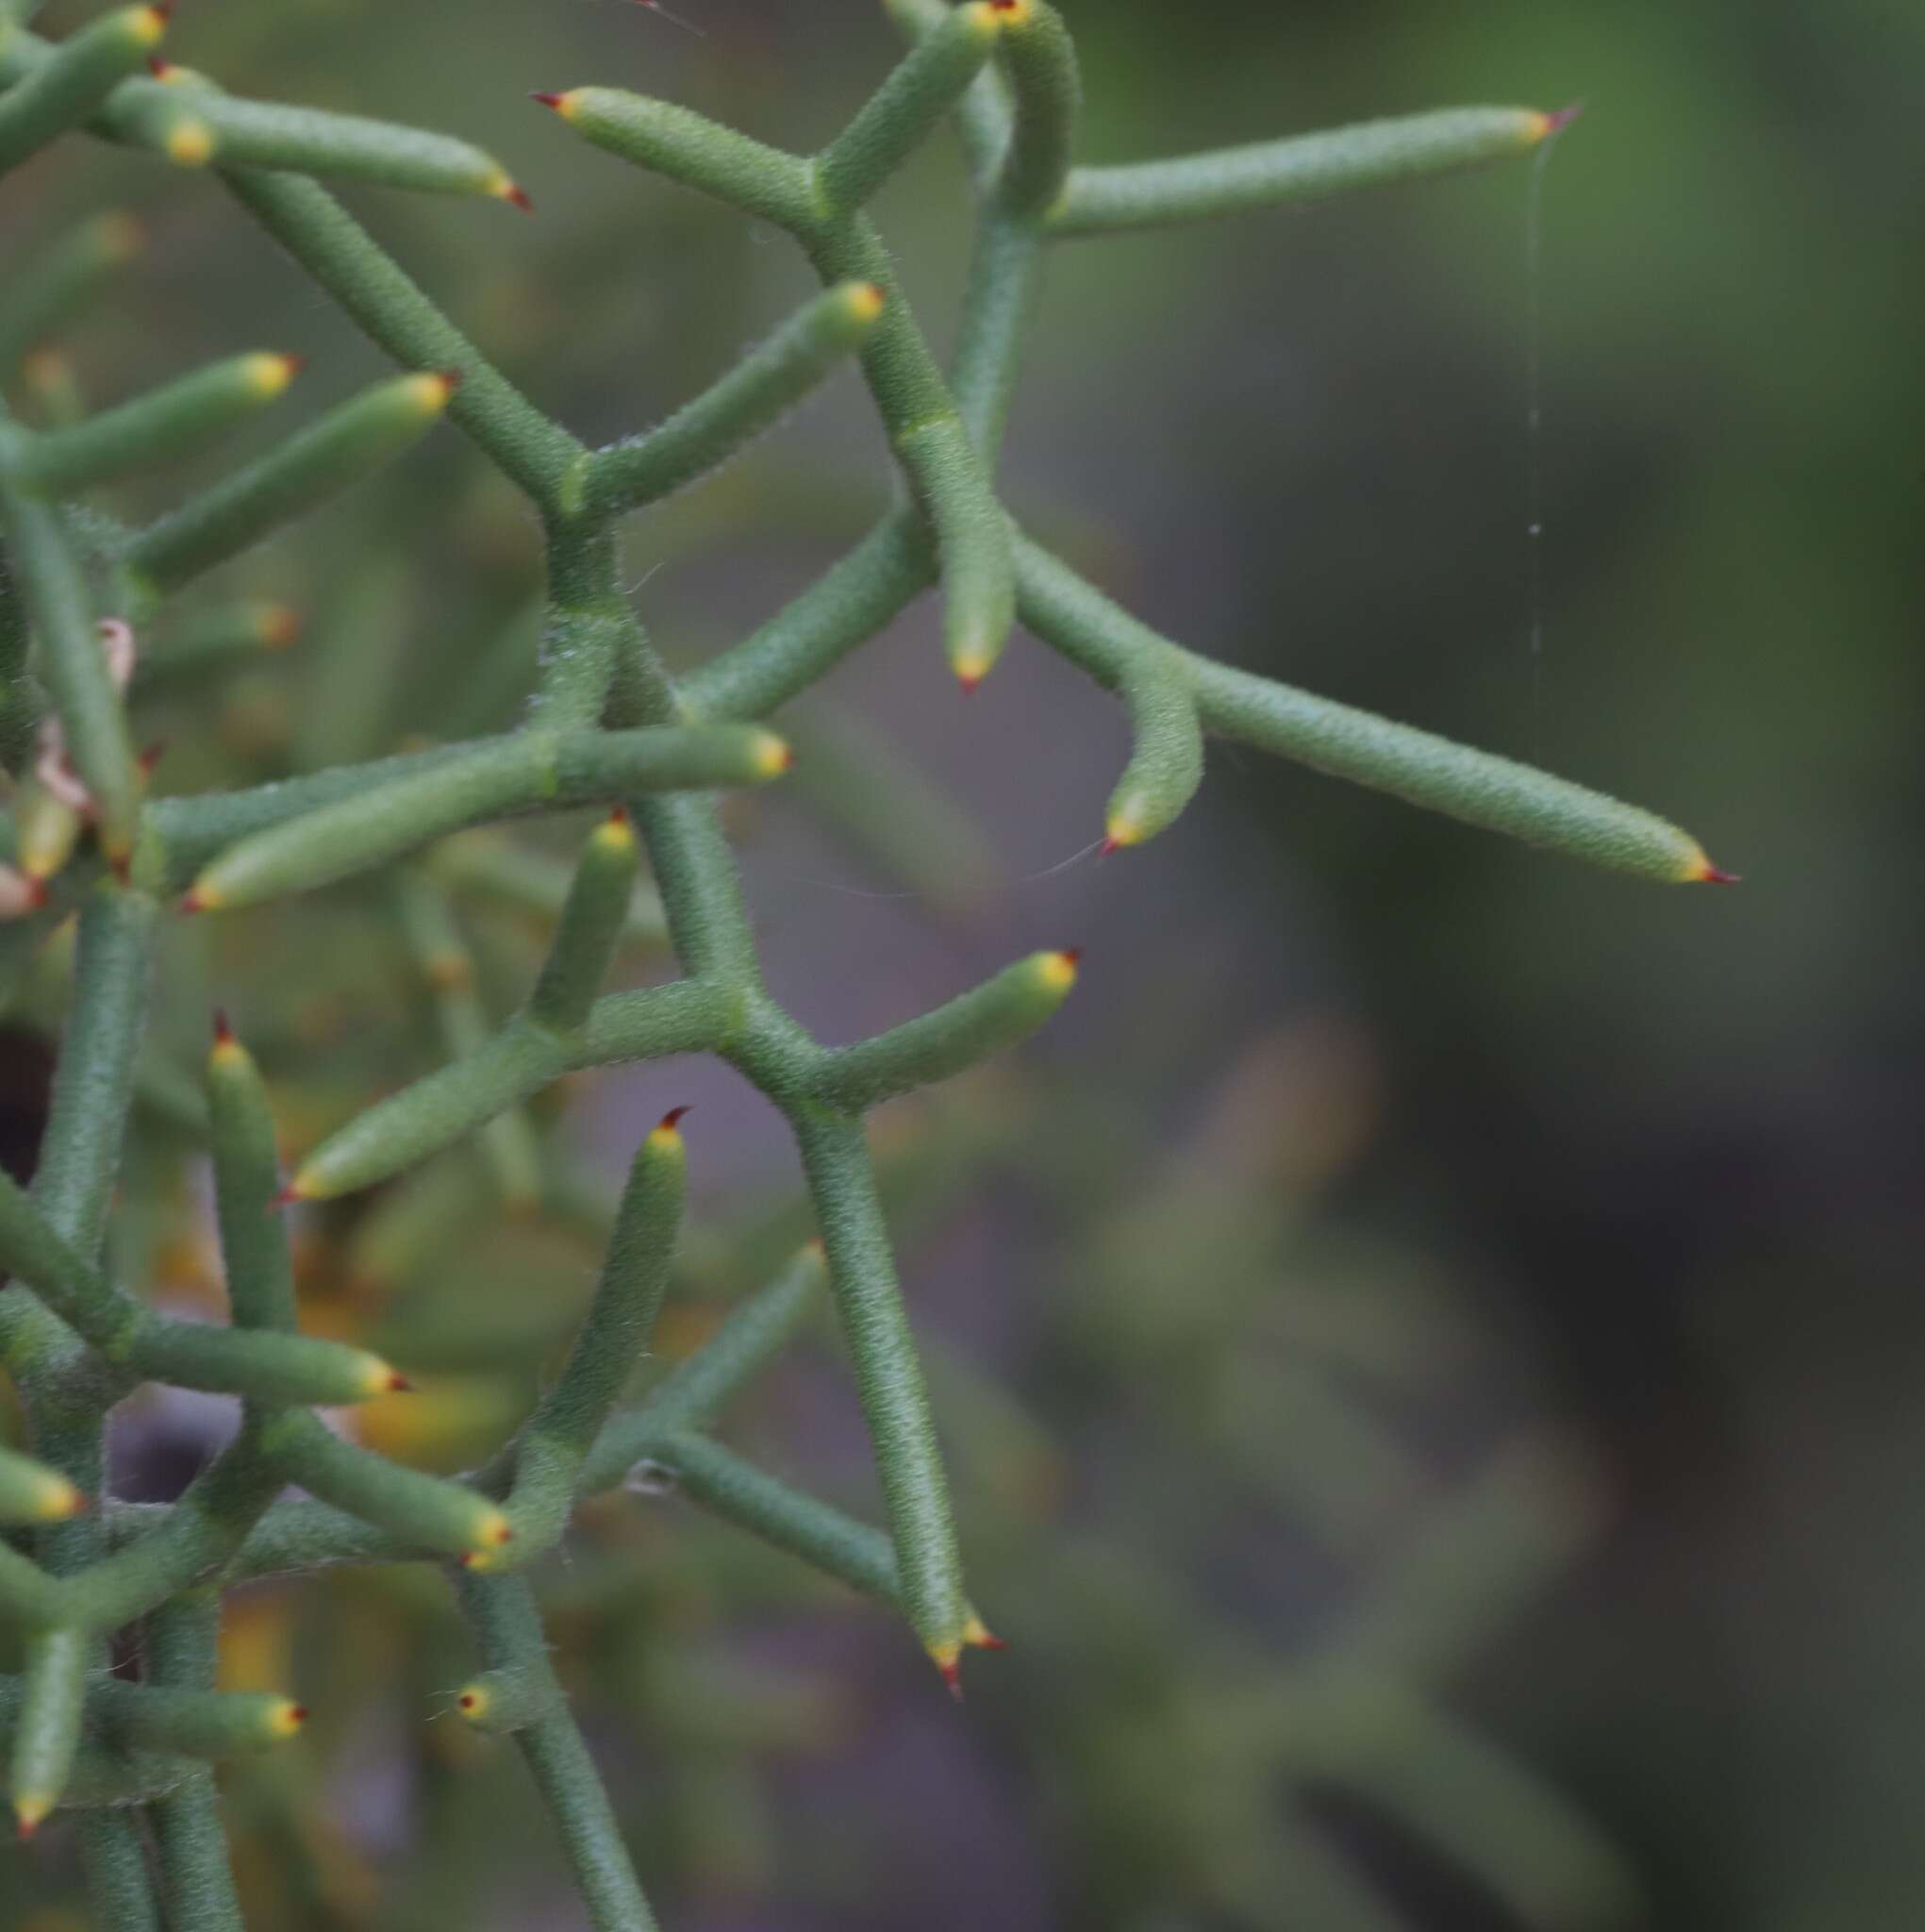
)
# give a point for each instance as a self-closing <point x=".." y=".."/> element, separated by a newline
<point x="1717" y="875"/>
<point x="547" y="100"/>
<point x="224" y="1027"/>
<point x="672" y="1120"/>
<point x="517" y="196"/>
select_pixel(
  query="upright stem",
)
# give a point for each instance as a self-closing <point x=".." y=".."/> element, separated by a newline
<point x="503" y="1612"/>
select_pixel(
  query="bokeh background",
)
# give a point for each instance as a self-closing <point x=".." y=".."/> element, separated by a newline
<point x="1431" y="1342"/>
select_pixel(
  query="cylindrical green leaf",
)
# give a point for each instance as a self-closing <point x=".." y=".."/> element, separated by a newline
<point x="440" y="1515"/>
<point x="763" y="387"/>
<point x="211" y="1724"/>
<point x="686" y="1017"/>
<point x="231" y="640"/>
<point x="507" y="1068"/>
<point x="170" y="423"/>
<point x="263" y="1367"/>
<point x="746" y="1343"/>
<point x="898" y="117"/>
<point x="591" y="922"/>
<point x="1040" y="61"/>
<point x="64" y="89"/>
<point x="254" y="1241"/>
<point x="45" y="830"/>
<point x="698" y="152"/>
<point x="48" y="1732"/>
<point x="984" y="116"/>
<point x="31" y="1492"/>
<point x="74" y="661"/>
<point x="499" y="1702"/>
<point x="1165" y="758"/>
<point x="198" y="125"/>
<point x="490" y="780"/>
<point x="889" y="1379"/>
<point x="319" y="462"/>
<point x="735" y="1489"/>
<point x="487" y="869"/>
<point x="803" y="642"/>
<point x="1145" y="194"/>
<point x="434" y="937"/>
<point x="40" y="296"/>
<point x="1418" y="766"/>
<point x="550" y="1449"/>
<point x="972" y="534"/>
<point x="941" y="1044"/>
<point x="33" y="1253"/>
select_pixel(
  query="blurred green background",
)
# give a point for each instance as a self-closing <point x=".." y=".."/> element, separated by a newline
<point x="1416" y="1274"/>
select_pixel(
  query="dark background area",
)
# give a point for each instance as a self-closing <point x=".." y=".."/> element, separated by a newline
<point x="1661" y="1148"/>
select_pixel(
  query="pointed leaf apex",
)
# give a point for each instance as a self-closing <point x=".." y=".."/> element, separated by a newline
<point x="224" y="1027"/>
<point x="947" y="1659"/>
<point x="1059" y="970"/>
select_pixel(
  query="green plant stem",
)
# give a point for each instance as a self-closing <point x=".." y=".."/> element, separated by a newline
<point x="120" y="1885"/>
<point x="196" y="1880"/>
<point x="505" y="1621"/>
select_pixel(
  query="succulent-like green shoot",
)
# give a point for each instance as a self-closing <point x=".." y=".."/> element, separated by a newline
<point x="610" y="728"/>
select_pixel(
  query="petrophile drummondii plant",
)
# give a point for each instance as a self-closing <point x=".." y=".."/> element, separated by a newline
<point x="86" y="843"/>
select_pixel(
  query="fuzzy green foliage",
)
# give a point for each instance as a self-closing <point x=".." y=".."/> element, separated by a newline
<point x="608" y="728"/>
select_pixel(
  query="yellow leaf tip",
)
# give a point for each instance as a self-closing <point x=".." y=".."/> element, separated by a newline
<point x="866" y="301"/>
<point x="1124" y="829"/>
<point x="189" y="143"/>
<point x="277" y="625"/>
<point x="947" y="1657"/>
<point x="1059" y="970"/>
<point x="61" y="1500"/>
<point x="268" y="374"/>
<point x="433" y="390"/>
